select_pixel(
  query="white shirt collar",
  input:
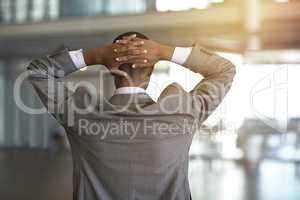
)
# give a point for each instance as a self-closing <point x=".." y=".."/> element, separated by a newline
<point x="129" y="90"/>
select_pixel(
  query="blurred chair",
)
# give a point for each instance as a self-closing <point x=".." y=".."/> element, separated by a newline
<point x="294" y="127"/>
<point x="261" y="140"/>
<point x="253" y="138"/>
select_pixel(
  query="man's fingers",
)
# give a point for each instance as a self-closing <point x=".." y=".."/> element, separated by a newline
<point x="124" y="49"/>
<point x="122" y="59"/>
<point x="126" y="39"/>
<point x="122" y="41"/>
<point x="130" y="52"/>
<point x="137" y="60"/>
<point x="129" y="42"/>
<point x="130" y="37"/>
<point x="143" y="65"/>
<point x="132" y="59"/>
<point x="135" y="52"/>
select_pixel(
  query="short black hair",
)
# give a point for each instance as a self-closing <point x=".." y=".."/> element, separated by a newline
<point x="138" y="35"/>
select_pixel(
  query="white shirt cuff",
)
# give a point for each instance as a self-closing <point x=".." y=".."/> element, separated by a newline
<point x="77" y="58"/>
<point x="181" y="54"/>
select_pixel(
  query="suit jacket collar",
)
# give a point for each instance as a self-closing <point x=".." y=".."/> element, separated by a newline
<point x="131" y="99"/>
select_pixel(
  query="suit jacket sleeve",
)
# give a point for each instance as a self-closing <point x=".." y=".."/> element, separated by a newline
<point x="218" y="75"/>
<point x="47" y="74"/>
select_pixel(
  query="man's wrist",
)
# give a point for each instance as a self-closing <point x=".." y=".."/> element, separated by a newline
<point x="166" y="52"/>
<point x="93" y="57"/>
<point x="89" y="57"/>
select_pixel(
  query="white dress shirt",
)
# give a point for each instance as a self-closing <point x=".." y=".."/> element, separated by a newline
<point x="179" y="57"/>
<point x="77" y="58"/>
<point x="181" y="54"/>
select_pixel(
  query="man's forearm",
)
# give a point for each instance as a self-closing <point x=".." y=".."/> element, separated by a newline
<point x="166" y="52"/>
<point x="93" y="57"/>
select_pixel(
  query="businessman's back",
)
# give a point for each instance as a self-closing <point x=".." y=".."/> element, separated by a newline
<point x="142" y="156"/>
<point x="131" y="147"/>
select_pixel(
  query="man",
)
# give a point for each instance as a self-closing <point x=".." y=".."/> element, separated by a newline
<point x="131" y="147"/>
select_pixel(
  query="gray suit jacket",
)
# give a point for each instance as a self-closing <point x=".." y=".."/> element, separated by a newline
<point x="130" y="147"/>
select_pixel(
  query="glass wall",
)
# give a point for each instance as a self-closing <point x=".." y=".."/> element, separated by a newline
<point x="19" y="11"/>
<point x="117" y="7"/>
<point x="18" y="128"/>
<point x="2" y="102"/>
<point x="22" y="11"/>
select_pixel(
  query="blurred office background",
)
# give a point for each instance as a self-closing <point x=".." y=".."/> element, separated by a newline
<point x="248" y="149"/>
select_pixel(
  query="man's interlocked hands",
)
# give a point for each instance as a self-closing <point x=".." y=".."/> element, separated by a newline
<point x="139" y="53"/>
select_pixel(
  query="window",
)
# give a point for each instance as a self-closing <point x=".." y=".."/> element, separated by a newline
<point x="6" y="11"/>
<point x="177" y="5"/>
<point x="37" y="12"/>
<point x="116" y="7"/>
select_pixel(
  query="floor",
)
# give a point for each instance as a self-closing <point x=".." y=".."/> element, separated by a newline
<point x="35" y="176"/>
<point x="43" y="175"/>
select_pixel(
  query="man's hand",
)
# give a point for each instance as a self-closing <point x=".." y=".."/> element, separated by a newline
<point x="130" y="50"/>
<point x="112" y="55"/>
<point x="142" y="53"/>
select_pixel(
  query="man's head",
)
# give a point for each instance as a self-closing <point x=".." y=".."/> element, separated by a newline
<point x="139" y="77"/>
